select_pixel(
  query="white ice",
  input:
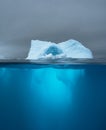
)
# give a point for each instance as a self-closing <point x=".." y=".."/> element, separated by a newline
<point x="49" y="50"/>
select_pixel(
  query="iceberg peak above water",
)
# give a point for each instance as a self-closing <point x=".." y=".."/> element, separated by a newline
<point x="48" y="50"/>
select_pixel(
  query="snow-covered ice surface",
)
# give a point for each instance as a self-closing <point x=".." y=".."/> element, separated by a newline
<point x="49" y="50"/>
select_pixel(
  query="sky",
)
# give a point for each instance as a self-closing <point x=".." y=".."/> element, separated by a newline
<point x="51" y="20"/>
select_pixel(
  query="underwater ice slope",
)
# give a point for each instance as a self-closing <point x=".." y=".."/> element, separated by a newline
<point x="67" y="49"/>
<point x="56" y="84"/>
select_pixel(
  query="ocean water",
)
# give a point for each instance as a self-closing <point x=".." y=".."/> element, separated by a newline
<point x="52" y="97"/>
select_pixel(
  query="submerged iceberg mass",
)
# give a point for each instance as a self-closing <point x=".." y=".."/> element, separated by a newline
<point x="49" y="50"/>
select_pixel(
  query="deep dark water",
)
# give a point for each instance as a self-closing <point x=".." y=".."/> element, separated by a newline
<point x="51" y="98"/>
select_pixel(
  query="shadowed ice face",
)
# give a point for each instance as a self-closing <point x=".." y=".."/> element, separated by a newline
<point x="53" y="50"/>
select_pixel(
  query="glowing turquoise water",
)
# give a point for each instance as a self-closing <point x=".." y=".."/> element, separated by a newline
<point x="52" y="97"/>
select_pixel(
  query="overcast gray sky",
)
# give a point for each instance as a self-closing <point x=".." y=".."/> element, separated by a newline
<point x="51" y="20"/>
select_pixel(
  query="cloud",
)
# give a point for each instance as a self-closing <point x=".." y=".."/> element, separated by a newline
<point x="56" y="21"/>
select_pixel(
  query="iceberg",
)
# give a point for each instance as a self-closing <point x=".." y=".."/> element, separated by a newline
<point x="68" y="49"/>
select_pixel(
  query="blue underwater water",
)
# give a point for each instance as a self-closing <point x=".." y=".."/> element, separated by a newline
<point x="41" y="97"/>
